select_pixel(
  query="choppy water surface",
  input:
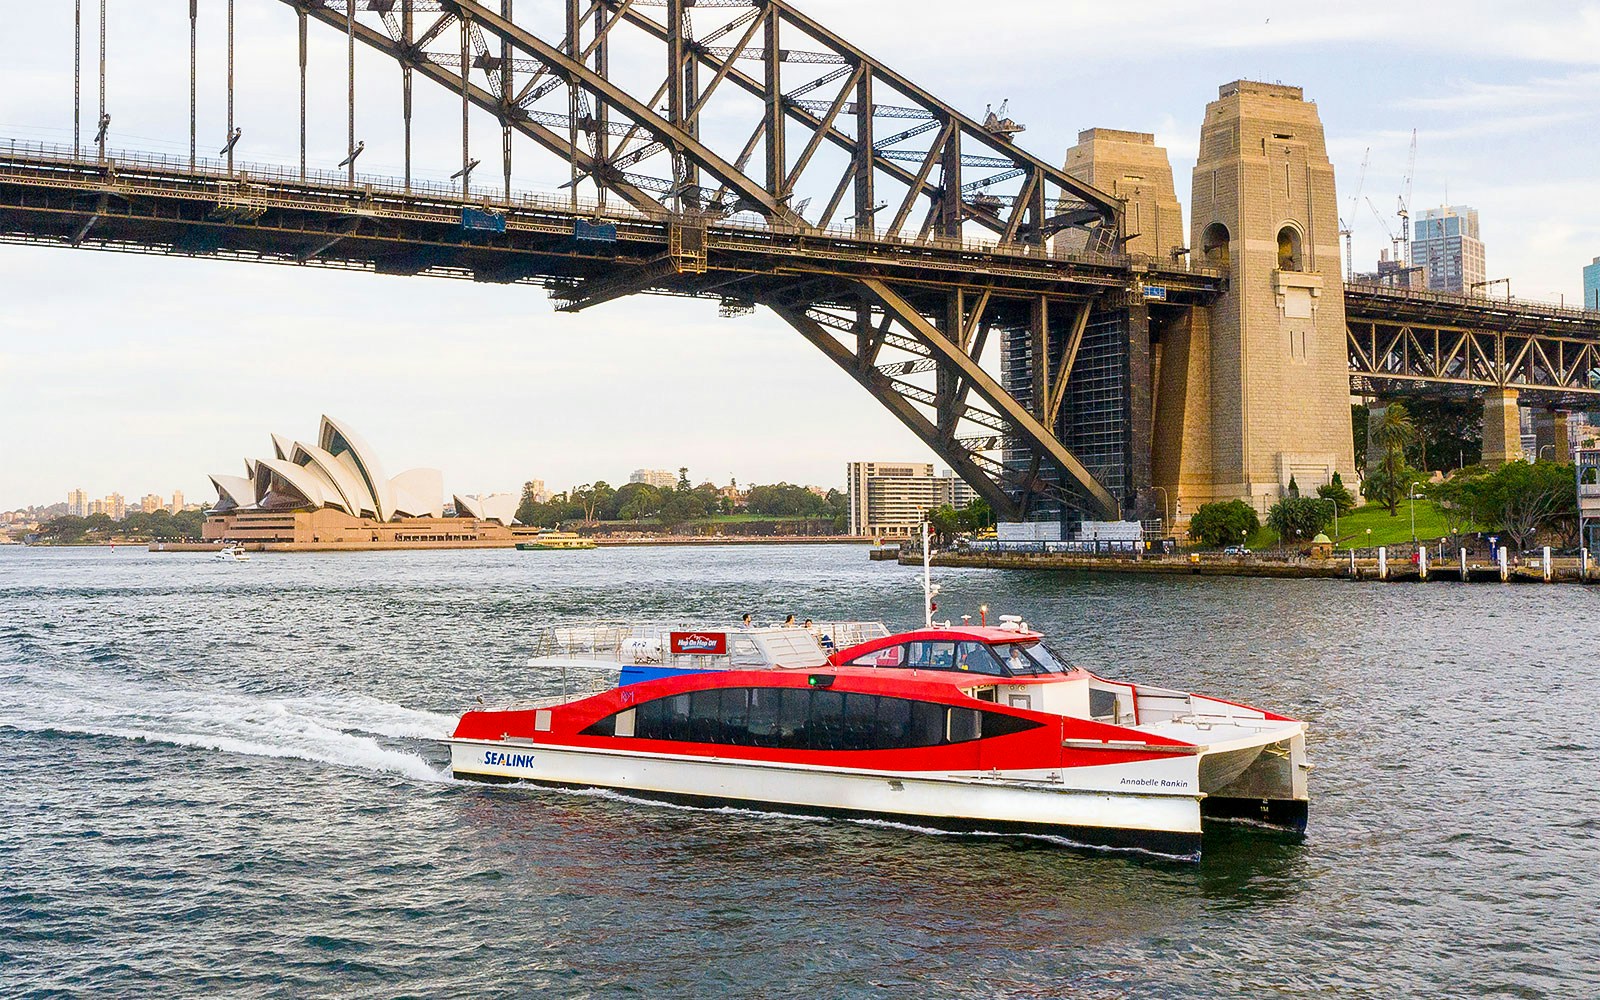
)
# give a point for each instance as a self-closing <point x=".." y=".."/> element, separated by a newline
<point x="218" y="779"/>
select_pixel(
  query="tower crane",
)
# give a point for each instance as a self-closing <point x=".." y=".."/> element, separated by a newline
<point x="1346" y="225"/>
<point x="1405" y="204"/>
<point x="1388" y="229"/>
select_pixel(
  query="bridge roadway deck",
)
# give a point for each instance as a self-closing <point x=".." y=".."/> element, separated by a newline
<point x="146" y="204"/>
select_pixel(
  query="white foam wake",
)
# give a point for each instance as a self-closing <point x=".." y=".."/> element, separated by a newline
<point x="331" y="729"/>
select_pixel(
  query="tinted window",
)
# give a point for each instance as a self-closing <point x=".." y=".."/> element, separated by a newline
<point x="931" y="655"/>
<point x="810" y="719"/>
<point x="890" y="656"/>
<point x="976" y="658"/>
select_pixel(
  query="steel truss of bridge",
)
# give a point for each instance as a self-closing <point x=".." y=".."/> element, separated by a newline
<point x="1407" y="342"/>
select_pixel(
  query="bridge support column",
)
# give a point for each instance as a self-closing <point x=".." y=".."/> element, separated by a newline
<point x="1551" y="437"/>
<point x="1502" y="428"/>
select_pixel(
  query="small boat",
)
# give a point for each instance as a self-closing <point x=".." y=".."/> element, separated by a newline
<point x="556" y="540"/>
<point x="232" y="553"/>
<point x="977" y="729"/>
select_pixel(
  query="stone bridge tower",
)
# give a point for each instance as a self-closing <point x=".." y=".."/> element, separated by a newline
<point x="1256" y="390"/>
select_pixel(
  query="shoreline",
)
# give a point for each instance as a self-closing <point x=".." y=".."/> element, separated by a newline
<point x="1566" y="570"/>
<point x="664" y="540"/>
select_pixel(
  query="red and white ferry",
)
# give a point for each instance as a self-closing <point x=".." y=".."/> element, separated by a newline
<point x="967" y="728"/>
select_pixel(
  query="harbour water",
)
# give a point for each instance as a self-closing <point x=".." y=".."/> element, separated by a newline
<point x="217" y="779"/>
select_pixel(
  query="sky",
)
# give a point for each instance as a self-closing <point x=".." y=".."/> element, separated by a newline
<point x="137" y="374"/>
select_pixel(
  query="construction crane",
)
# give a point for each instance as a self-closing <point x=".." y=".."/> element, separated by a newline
<point x="1405" y="204"/>
<point x="1388" y="229"/>
<point x="1346" y="224"/>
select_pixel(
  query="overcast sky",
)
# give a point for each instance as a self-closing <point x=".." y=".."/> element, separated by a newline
<point x="141" y="374"/>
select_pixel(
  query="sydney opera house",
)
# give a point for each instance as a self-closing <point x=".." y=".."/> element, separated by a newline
<point x="334" y="494"/>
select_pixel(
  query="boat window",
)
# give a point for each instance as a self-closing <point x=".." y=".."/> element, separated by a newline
<point x="889" y="656"/>
<point x="1032" y="658"/>
<point x="931" y="655"/>
<point x="1046" y="658"/>
<point x="807" y="719"/>
<point x="976" y="658"/>
<point x="965" y="725"/>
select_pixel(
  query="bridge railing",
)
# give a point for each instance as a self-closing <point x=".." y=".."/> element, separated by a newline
<point x="1459" y="299"/>
<point x="291" y="180"/>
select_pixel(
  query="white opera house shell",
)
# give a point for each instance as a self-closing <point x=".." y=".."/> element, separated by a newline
<point x="341" y="474"/>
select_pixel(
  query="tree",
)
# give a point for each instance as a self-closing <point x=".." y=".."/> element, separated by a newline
<point x="945" y="522"/>
<point x="1340" y="495"/>
<point x="1454" y="499"/>
<point x="1381" y="489"/>
<point x="1450" y="433"/>
<point x="1299" y="519"/>
<point x="1294" y="487"/>
<point x="1393" y="432"/>
<point x="1523" y="499"/>
<point x="1227" y="523"/>
<point x="683" y="479"/>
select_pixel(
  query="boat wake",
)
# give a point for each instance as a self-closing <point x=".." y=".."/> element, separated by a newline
<point x="342" y="730"/>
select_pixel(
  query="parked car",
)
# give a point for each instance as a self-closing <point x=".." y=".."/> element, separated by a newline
<point x="1236" y="550"/>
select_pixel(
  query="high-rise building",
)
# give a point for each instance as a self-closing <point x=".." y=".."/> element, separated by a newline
<point x="1591" y="285"/>
<point x="661" y="479"/>
<point x="78" y="504"/>
<point x="890" y="498"/>
<point x="151" y="503"/>
<point x="114" y="506"/>
<point x="534" y="490"/>
<point x="177" y="502"/>
<point x="1445" y="240"/>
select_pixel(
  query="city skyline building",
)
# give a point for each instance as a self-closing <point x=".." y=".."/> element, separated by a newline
<point x="661" y="479"/>
<point x="151" y="503"/>
<point x="77" y="504"/>
<point x="1591" y="286"/>
<point x="177" y="502"/>
<point x="1446" y="241"/>
<point x="892" y="499"/>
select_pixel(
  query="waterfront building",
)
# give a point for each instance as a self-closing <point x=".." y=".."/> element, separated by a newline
<point x="1591" y="286"/>
<point x="892" y="499"/>
<point x="151" y="503"/>
<point x="334" y="495"/>
<point x="661" y="479"/>
<point x="1445" y="240"/>
<point x="78" y="504"/>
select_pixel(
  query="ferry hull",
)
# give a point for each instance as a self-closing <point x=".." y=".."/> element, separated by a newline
<point x="1161" y="823"/>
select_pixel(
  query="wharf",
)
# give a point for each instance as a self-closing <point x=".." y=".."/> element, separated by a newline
<point x="1398" y="569"/>
<point x="604" y="542"/>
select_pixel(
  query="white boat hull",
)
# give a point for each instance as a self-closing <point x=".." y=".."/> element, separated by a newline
<point x="1157" y="807"/>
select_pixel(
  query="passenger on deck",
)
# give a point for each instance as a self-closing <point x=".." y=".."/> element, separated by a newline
<point x="746" y="620"/>
<point x="789" y="622"/>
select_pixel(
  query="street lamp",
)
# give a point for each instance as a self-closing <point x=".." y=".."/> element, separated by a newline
<point x="1166" y="508"/>
<point x="1411" y="495"/>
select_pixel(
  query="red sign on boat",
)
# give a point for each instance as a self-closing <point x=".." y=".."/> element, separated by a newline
<point x="700" y="643"/>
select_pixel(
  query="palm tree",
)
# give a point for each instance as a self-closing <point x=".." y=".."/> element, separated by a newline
<point x="1393" y="432"/>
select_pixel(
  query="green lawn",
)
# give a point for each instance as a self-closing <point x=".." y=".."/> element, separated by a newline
<point x="1386" y="530"/>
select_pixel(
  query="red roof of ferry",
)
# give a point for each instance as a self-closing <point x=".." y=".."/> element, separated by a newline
<point x="987" y="634"/>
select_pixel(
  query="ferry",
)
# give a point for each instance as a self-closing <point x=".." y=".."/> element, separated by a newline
<point x="967" y="728"/>
<point x="556" y="540"/>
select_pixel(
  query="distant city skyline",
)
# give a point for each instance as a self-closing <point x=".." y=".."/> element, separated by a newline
<point x="158" y="370"/>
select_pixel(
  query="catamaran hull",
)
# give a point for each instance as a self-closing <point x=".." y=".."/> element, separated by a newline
<point x="1151" y="820"/>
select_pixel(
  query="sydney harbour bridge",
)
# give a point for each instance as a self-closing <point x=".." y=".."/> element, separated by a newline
<point x="742" y="152"/>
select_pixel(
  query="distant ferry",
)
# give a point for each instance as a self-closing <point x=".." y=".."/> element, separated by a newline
<point x="966" y="728"/>
<point x="549" y="540"/>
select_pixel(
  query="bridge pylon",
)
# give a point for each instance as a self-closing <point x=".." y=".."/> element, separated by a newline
<point x="1266" y="371"/>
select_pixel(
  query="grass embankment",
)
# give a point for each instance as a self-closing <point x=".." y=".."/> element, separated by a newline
<point x="1386" y="530"/>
